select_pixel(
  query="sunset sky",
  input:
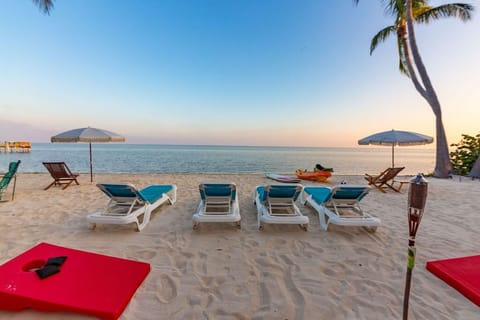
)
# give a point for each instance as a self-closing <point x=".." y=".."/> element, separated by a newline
<point x="229" y="72"/>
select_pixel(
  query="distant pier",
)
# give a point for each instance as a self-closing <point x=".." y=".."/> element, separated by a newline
<point x="15" y="146"/>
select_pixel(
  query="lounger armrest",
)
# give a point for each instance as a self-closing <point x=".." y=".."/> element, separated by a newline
<point x="401" y="183"/>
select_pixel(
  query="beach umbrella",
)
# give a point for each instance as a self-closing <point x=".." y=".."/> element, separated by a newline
<point x="396" y="138"/>
<point x="88" y="135"/>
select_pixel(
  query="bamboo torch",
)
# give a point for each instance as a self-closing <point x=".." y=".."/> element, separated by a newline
<point x="417" y="197"/>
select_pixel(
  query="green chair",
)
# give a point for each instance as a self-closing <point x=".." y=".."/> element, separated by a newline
<point x="7" y="177"/>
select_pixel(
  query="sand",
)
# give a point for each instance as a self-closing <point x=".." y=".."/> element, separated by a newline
<point x="220" y="272"/>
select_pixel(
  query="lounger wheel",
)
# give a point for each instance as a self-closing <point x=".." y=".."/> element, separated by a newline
<point x="239" y="225"/>
<point x="260" y="227"/>
<point x="371" y="229"/>
<point x="92" y="226"/>
<point x="195" y="226"/>
<point x="304" y="227"/>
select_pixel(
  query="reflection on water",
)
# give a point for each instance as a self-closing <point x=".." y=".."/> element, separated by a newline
<point x="141" y="158"/>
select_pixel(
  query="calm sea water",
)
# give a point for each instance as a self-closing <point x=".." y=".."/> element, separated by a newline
<point x="143" y="158"/>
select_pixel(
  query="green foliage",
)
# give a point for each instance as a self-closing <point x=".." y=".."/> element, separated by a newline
<point x="422" y="13"/>
<point x="44" y="5"/>
<point x="467" y="152"/>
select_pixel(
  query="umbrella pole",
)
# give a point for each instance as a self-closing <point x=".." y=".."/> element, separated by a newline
<point x="91" y="174"/>
<point x="393" y="155"/>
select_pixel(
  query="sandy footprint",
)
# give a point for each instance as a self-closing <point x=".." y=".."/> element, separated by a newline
<point x="181" y="261"/>
<point x="278" y="243"/>
<point x="296" y="295"/>
<point x="146" y="254"/>
<point x="249" y="243"/>
<point x="166" y="289"/>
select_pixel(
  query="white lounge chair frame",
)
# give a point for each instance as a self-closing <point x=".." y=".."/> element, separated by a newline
<point x="279" y="210"/>
<point x="126" y="210"/>
<point x="335" y="211"/>
<point x="217" y="208"/>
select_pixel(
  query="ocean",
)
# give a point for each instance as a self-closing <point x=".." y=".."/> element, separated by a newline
<point x="151" y="158"/>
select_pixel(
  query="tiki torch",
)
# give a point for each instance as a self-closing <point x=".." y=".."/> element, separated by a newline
<point x="417" y="196"/>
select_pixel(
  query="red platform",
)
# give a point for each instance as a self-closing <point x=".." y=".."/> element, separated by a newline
<point x="88" y="283"/>
<point x="461" y="273"/>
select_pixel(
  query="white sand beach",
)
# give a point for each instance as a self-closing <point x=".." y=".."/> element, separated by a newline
<point x="220" y="272"/>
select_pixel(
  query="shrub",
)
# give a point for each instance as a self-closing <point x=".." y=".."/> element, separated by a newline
<point x="466" y="153"/>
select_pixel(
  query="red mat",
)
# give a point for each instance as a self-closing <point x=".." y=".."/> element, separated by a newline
<point x="89" y="283"/>
<point x="461" y="273"/>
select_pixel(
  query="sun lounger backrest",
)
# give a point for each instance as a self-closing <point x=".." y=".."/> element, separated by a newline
<point x="346" y="192"/>
<point x="120" y="191"/>
<point x="7" y="177"/>
<point x="58" y="170"/>
<point x="281" y="191"/>
<point x="125" y="191"/>
<point x="217" y="190"/>
<point x="13" y="167"/>
<point x="390" y="174"/>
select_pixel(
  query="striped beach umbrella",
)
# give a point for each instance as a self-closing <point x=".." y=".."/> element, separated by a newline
<point x="88" y="135"/>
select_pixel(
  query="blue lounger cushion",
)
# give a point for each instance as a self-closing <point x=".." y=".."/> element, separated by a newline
<point x="152" y="193"/>
<point x="127" y="203"/>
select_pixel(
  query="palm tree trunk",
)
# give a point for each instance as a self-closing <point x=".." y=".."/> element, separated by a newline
<point x="443" y="167"/>
<point x="475" y="172"/>
<point x="407" y="60"/>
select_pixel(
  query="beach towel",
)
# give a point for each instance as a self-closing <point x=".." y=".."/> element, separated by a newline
<point x="461" y="273"/>
<point x="76" y="281"/>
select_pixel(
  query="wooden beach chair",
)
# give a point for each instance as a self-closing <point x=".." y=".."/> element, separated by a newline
<point x="7" y="177"/>
<point x="385" y="179"/>
<point x="61" y="174"/>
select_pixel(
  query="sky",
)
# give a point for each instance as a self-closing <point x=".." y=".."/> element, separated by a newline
<point x="228" y="72"/>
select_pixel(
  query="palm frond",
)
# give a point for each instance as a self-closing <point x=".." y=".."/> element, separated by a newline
<point x="392" y="7"/>
<point x="44" y="5"/>
<point x="461" y="10"/>
<point x="420" y="10"/>
<point x="381" y="36"/>
<point x="397" y="8"/>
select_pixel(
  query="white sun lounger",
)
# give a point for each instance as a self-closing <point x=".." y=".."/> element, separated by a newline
<point x="218" y="203"/>
<point x="129" y="205"/>
<point x="340" y="205"/>
<point x="276" y="204"/>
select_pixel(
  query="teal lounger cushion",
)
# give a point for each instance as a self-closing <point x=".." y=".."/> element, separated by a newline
<point x="152" y="193"/>
<point x="278" y="192"/>
<point x="319" y="194"/>
<point x="217" y="190"/>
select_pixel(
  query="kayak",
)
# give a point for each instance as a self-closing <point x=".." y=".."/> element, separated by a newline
<point x="281" y="178"/>
<point x="319" y="176"/>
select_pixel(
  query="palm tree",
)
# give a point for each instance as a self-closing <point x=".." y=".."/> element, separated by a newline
<point x="44" y="5"/>
<point x="406" y="12"/>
